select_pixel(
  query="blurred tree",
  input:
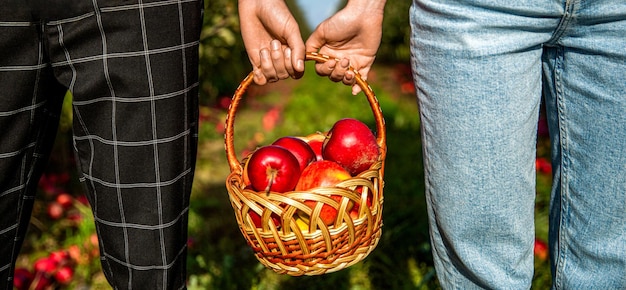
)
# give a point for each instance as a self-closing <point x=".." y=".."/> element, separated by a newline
<point x="396" y="32"/>
<point x="223" y="60"/>
<point x="300" y="16"/>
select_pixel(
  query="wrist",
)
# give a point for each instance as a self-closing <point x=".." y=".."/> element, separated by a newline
<point x="370" y="5"/>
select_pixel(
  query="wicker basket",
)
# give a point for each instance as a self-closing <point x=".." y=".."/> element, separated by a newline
<point x="321" y="249"/>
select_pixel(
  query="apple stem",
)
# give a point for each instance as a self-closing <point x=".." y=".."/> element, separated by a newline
<point x="269" y="184"/>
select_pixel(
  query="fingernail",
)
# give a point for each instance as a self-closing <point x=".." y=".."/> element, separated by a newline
<point x="265" y="54"/>
<point x="300" y="65"/>
<point x="356" y="90"/>
<point x="275" y="44"/>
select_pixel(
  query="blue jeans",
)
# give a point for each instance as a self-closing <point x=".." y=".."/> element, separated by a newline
<point x="480" y="68"/>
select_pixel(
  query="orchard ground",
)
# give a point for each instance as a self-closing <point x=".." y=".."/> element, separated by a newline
<point x="218" y="257"/>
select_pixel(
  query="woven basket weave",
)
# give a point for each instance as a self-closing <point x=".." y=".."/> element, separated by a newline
<point x="321" y="249"/>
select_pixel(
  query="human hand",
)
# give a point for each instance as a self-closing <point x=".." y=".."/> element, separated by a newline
<point x="272" y="39"/>
<point x="353" y="36"/>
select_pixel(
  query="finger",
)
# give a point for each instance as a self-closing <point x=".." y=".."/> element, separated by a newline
<point x="315" y="41"/>
<point x="258" y="77"/>
<point x="326" y="68"/>
<point x="355" y="87"/>
<point x="297" y="51"/>
<point x="267" y="66"/>
<point x="288" y="63"/>
<point x="278" y="59"/>
<point x="338" y="74"/>
<point x="349" y="78"/>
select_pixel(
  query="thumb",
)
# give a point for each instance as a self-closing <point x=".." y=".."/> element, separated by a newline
<point x="294" y="41"/>
<point x="315" y="41"/>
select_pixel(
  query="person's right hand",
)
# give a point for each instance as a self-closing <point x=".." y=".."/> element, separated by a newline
<point x="353" y="36"/>
<point x="272" y="39"/>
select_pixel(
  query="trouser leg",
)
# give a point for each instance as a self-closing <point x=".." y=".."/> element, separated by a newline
<point x="133" y="74"/>
<point x="477" y="69"/>
<point x="585" y="80"/>
<point x="30" y="104"/>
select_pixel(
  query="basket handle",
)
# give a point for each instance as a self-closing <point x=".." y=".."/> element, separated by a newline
<point x="235" y="164"/>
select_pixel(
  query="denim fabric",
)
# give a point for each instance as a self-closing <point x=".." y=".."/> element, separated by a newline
<point x="480" y="68"/>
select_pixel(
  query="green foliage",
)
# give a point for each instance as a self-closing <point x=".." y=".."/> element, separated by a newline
<point x="223" y="59"/>
<point x="395" y="42"/>
<point x="396" y="32"/>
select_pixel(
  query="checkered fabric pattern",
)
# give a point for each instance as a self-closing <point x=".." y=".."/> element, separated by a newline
<point x="131" y="66"/>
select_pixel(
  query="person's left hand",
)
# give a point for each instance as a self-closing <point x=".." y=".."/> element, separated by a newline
<point x="272" y="39"/>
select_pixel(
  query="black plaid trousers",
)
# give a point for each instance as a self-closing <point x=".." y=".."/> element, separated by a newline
<point x="131" y="66"/>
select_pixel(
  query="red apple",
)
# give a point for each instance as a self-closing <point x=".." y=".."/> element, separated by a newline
<point x="55" y="210"/>
<point x="323" y="173"/>
<point x="42" y="282"/>
<point x="273" y="168"/>
<point x="45" y="265"/>
<point x="60" y="256"/>
<point x="540" y="249"/>
<point x="258" y="222"/>
<point x="316" y="141"/>
<point x="64" y="275"/>
<point x="299" y="148"/>
<point x="352" y="144"/>
<point x="245" y="177"/>
<point x="354" y="212"/>
<point x="22" y="278"/>
<point x="65" y="200"/>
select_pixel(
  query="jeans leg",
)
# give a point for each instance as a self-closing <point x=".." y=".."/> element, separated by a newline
<point x="477" y="69"/>
<point x="585" y="72"/>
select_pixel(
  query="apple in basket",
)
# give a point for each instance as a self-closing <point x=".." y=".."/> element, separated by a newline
<point x="354" y="212"/>
<point x="352" y="144"/>
<point x="273" y="168"/>
<point x="299" y="148"/>
<point x="316" y="141"/>
<point x="258" y="221"/>
<point x="323" y="173"/>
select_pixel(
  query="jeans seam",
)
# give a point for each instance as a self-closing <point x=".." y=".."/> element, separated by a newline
<point x="566" y="20"/>
<point x="563" y="217"/>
